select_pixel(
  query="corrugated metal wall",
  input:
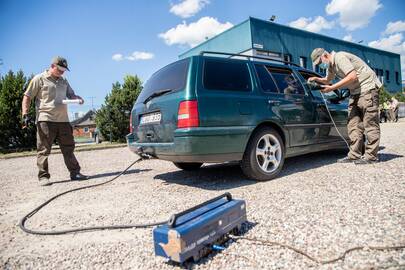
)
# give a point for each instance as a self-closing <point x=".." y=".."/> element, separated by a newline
<point x="268" y="36"/>
<point x="297" y="43"/>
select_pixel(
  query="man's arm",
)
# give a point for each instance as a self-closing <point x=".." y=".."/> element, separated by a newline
<point x="349" y="79"/>
<point x="319" y="80"/>
<point x="32" y="90"/>
<point x="25" y="104"/>
<point x="72" y="95"/>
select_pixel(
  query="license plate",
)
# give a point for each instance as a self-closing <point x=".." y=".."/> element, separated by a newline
<point x="150" y="118"/>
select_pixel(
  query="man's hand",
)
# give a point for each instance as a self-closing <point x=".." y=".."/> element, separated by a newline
<point x="26" y="121"/>
<point x="81" y="99"/>
<point x="310" y="79"/>
<point x="327" y="88"/>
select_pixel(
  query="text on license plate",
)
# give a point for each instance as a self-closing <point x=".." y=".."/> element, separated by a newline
<point x="150" y="118"/>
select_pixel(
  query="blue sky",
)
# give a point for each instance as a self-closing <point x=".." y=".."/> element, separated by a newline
<point x="105" y="40"/>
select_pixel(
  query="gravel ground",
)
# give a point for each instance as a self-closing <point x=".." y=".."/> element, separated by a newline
<point x="315" y="205"/>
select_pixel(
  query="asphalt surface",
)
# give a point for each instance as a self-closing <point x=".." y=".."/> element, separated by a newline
<point x="315" y="205"/>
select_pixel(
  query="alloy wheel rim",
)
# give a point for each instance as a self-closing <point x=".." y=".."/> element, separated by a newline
<point x="268" y="153"/>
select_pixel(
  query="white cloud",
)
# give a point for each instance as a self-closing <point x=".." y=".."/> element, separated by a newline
<point x="134" y="56"/>
<point x="349" y="37"/>
<point x="117" y="57"/>
<point x="391" y="43"/>
<point x="394" y="43"/>
<point x="194" y="33"/>
<point x="316" y="25"/>
<point x="395" y="27"/>
<point x="188" y="8"/>
<point x="140" y="56"/>
<point x="353" y="14"/>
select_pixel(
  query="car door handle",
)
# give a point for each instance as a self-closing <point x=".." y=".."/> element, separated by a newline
<point x="273" y="102"/>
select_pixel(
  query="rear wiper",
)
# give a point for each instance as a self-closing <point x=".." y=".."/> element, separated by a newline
<point x="156" y="94"/>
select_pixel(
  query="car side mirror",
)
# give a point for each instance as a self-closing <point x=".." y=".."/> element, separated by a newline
<point x="344" y="93"/>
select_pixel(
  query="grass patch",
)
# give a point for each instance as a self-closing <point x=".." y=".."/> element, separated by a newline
<point x="56" y="150"/>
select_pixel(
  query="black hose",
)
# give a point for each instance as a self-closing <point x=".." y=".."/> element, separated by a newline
<point x="94" y="228"/>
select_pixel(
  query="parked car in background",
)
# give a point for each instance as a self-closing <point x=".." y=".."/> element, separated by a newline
<point x="218" y="107"/>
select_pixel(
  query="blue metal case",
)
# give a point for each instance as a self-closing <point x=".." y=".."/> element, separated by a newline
<point x="191" y="233"/>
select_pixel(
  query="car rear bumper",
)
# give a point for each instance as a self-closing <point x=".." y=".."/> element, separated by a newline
<point x="202" y="144"/>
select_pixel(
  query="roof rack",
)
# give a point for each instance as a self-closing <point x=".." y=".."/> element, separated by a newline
<point x="249" y="56"/>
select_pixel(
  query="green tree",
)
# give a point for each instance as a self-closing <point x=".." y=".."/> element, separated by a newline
<point x="12" y="87"/>
<point x="113" y="118"/>
<point x="400" y="97"/>
<point x="384" y="95"/>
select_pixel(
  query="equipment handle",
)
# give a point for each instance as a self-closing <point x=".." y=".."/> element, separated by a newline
<point x="174" y="217"/>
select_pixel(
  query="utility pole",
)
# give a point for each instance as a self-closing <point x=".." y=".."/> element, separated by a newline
<point x="92" y="102"/>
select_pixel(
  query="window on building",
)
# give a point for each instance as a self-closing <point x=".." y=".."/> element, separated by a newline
<point x="387" y="76"/>
<point x="287" y="57"/>
<point x="285" y="80"/>
<point x="266" y="81"/>
<point x="397" y="77"/>
<point x="86" y="130"/>
<point x="221" y="75"/>
<point x="303" y="61"/>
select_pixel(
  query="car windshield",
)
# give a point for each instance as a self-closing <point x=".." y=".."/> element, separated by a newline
<point x="171" y="77"/>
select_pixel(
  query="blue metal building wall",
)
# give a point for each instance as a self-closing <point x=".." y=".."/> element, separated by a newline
<point x="268" y="36"/>
<point x="297" y="43"/>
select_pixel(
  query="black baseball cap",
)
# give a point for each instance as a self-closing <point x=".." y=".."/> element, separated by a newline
<point x="60" y="62"/>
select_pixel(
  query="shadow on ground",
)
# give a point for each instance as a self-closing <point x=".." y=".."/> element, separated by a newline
<point x="229" y="175"/>
<point x="102" y="175"/>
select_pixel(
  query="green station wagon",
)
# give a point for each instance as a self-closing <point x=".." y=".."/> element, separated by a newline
<point x="219" y="107"/>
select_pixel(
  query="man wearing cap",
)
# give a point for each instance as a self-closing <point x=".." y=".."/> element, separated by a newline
<point x="50" y="89"/>
<point x="364" y="85"/>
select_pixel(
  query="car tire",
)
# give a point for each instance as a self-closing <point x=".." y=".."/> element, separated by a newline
<point x="264" y="155"/>
<point x="188" y="166"/>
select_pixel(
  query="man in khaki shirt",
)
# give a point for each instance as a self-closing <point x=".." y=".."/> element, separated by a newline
<point x="49" y="89"/>
<point x="364" y="86"/>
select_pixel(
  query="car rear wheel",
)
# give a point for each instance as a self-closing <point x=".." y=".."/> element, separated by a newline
<point x="264" y="155"/>
<point x="188" y="166"/>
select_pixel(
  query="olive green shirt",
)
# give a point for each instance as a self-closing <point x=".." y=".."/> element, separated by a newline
<point x="343" y="63"/>
<point x="49" y="93"/>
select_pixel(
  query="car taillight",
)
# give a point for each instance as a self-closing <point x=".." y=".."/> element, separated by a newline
<point x="188" y="114"/>
<point x="130" y="123"/>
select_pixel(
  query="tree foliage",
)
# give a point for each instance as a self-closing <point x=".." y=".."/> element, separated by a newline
<point x="386" y="96"/>
<point x="12" y="87"/>
<point x="113" y="118"/>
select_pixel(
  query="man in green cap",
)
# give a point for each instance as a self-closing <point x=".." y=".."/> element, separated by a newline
<point x="364" y="85"/>
<point x="49" y="89"/>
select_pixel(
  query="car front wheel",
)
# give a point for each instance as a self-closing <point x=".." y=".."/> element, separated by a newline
<point x="264" y="155"/>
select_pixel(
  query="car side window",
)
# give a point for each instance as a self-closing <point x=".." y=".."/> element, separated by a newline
<point x="226" y="75"/>
<point x="316" y="93"/>
<point x="266" y="81"/>
<point x="286" y="81"/>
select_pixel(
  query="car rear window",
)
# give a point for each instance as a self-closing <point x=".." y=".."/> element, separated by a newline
<point x="221" y="75"/>
<point x="266" y="81"/>
<point x="286" y="81"/>
<point x="171" y="77"/>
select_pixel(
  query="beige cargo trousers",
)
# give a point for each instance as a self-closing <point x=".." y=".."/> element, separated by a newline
<point x="363" y="118"/>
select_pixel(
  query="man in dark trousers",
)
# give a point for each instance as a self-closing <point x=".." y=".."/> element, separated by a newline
<point x="50" y="89"/>
<point x="364" y="86"/>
